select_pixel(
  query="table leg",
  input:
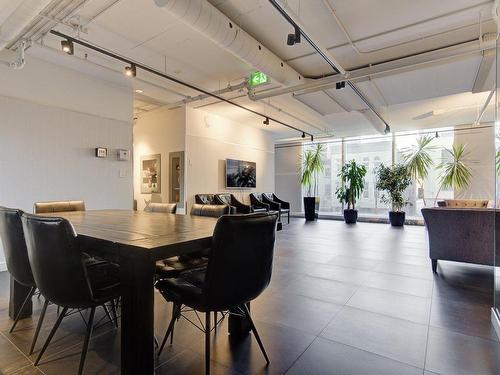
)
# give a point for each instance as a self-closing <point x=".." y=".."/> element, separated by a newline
<point x="18" y="294"/>
<point x="239" y="325"/>
<point x="137" y="321"/>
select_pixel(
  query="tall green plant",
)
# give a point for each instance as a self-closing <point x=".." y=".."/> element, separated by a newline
<point x="393" y="181"/>
<point x="455" y="173"/>
<point x="312" y="165"/>
<point x="418" y="160"/>
<point x="352" y="177"/>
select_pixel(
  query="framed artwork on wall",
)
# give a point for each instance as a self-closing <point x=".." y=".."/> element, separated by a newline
<point x="151" y="174"/>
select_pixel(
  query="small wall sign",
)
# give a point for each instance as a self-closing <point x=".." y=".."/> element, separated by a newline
<point x="101" y="152"/>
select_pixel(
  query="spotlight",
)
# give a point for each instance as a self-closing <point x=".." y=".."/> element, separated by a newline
<point x="293" y="38"/>
<point x="130" y="71"/>
<point x="266" y="121"/>
<point x="312" y="138"/>
<point x="67" y="46"/>
<point x="340" y="85"/>
<point x="303" y="135"/>
<point x="437" y="135"/>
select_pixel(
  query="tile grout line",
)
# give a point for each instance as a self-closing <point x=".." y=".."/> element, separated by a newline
<point x="429" y="326"/>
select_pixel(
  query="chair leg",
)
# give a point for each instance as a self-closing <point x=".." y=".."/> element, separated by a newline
<point x="207" y="343"/>
<point x="39" y="325"/>
<point x="85" y="348"/>
<point x="51" y="334"/>
<point x="254" y="330"/>
<point x="106" y="310"/>
<point x="215" y="320"/>
<point x="170" y="327"/>
<point x="113" y="311"/>
<point x="176" y="314"/>
<point x="28" y="297"/>
<point x="288" y="217"/>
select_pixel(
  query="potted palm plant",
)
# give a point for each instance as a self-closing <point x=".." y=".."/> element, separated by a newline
<point x="418" y="161"/>
<point x="455" y="173"/>
<point x="352" y="177"/>
<point x="393" y="181"/>
<point x="312" y="165"/>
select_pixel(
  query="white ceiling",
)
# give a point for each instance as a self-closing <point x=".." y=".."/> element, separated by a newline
<point x="374" y="32"/>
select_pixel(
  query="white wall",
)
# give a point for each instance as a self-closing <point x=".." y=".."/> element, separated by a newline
<point x="210" y="140"/>
<point x="287" y="166"/>
<point x="158" y="132"/>
<point x="51" y="120"/>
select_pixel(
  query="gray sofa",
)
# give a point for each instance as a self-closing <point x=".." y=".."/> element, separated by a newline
<point x="460" y="234"/>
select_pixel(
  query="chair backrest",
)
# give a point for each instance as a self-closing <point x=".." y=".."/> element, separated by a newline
<point x="204" y="199"/>
<point x="56" y="261"/>
<point x="269" y="196"/>
<point x="169" y="208"/>
<point x="212" y="210"/>
<point x="241" y="259"/>
<point x="58" y="206"/>
<point x="14" y="246"/>
<point x="224" y="198"/>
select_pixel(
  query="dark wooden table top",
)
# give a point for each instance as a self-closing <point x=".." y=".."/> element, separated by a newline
<point x="147" y="230"/>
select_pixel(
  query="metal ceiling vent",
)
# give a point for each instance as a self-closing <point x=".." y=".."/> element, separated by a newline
<point x="215" y="25"/>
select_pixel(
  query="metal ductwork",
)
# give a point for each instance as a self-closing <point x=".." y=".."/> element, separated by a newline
<point x="215" y="25"/>
<point x="15" y="16"/>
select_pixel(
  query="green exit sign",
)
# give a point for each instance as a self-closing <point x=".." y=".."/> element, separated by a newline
<point x="258" y="78"/>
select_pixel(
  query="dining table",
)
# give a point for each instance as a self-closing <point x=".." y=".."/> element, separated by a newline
<point x="136" y="240"/>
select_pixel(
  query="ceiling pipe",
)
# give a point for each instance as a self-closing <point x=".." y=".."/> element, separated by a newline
<point x="380" y="69"/>
<point x="290" y="16"/>
<point x="17" y="17"/>
<point x="203" y="17"/>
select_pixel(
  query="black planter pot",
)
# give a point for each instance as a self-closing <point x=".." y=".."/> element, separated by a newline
<point x="350" y="216"/>
<point x="311" y="208"/>
<point x="397" y="219"/>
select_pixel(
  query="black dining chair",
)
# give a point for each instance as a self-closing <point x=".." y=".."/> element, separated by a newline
<point x="239" y="270"/>
<point x="61" y="275"/>
<point x="18" y="266"/>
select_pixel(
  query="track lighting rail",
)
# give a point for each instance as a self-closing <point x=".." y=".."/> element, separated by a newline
<point x="146" y="68"/>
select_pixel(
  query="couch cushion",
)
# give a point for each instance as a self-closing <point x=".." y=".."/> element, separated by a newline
<point x="466" y="203"/>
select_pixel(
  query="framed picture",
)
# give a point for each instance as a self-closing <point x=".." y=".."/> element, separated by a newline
<point x="151" y="174"/>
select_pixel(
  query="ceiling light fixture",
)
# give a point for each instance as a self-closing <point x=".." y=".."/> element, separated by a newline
<point x="67" y="46"/>
<point x="293" y="38"/>
<point x="303" y="135"/>
<point x="130" y="71"/>
<point x="312" y="138"/>
<point x="266" y="121"/>
<point x="437" y="135"/>
<point x="139" y="91"/>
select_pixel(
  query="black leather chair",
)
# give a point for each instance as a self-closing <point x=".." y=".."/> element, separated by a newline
<point x="16" y="256"/>
<point x="62" y="276"/>
<point x="258" y="205"/>
<point x="204" y="199"/>
<point x="174" y="266"/>
<point x="284" y="207"/>
<point x="238" y="271"/>
<point x="211" y="200"/>
<point x="237" y="207"/>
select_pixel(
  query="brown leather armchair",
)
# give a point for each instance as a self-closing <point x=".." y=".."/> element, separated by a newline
<point x="169" y="208"/>
<point x="58" y="206"/>
<point x="236" y="206"/>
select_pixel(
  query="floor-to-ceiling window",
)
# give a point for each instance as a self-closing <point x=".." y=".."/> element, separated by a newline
<point x="425" y="192"/>
<point x="370" y="152"/>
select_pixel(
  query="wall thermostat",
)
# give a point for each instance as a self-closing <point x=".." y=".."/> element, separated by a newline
<point x="101" y="152"/>
<point x="123" y="154"/>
